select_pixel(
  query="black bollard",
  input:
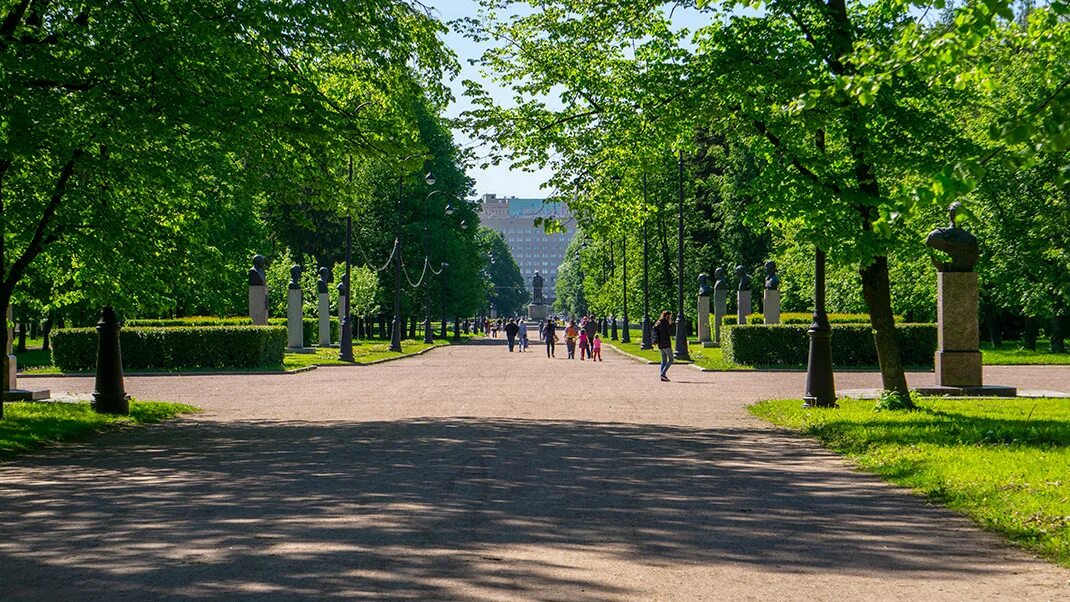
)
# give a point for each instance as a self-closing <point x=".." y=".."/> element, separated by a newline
<point x="613" y="329"/>
<point x="109" y="392"/>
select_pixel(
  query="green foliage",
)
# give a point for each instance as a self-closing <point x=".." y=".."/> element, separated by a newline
<point x="894" y="401"/>
<point x="310" y="327"/>
<point x="1002" y="462"/>
<point x="507" y="293"/>
<point x="852" y="345"/>
<point x="173" y="348"/>
<point x="805" y="318"/>
<point x="27" y="426"/>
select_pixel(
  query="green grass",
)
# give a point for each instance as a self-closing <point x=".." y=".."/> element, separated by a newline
<point x="27" y="426"/>
<point x="710" y="358"/>
<point x="1003" y="463"/>
<point x="363" y="353"/>
<point x="1010" y="354"/>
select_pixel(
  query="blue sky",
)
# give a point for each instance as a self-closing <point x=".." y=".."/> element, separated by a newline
<point x="500" y="180"/>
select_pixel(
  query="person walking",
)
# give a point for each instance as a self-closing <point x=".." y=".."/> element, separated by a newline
<point x="522" y="333"/>
<point x="596" y="348"/>
<point x="549" y="335"/>
<point x="584" y="342"/>
<point x="570" y="339"/>
<point x="510" y="333"/>
<point x="662" y="332"/>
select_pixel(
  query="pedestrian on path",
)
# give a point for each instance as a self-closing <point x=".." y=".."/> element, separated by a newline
<point x="549" y="335"/>
<point x="570" y="339"/>
<point x="584" y="342"/>
<point x="596" y="348"/>
<point x="510" y="333"/>
<point x="522" y="333"/>
<point x="662" y="332"/>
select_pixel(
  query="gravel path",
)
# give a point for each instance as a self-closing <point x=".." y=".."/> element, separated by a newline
<point x="473" y="474"/>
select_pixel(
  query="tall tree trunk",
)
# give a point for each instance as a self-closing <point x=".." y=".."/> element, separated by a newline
<point x="877" y="293"/>
<point x="994" y="325"/>
<point x="1029" y="335"/>
<point x="1058" y="333"/>
<point x="22" y="334"/>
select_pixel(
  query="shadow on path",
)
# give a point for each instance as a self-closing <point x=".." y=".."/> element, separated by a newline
<point x="419" y="509"/>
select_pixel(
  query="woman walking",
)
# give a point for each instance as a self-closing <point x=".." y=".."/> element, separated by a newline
<point x="549" y="334"/>
<point x="570" y="339"/>
<point x="522" y="332"/>
<point x="663" y="339"/>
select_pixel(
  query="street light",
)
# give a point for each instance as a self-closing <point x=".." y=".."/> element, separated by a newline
<point x="395" y="327"/>
<point x="625" y="335"/>
<point x="648" y="342"/>
<point x="345" y="341"/>
<point x="681" y="352"/>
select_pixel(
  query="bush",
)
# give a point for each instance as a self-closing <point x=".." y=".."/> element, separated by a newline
<point x="310" y="331"/>
<point x="230" y="347"/>
<point x="852" y="345"/>
<point x="805" y="318"/>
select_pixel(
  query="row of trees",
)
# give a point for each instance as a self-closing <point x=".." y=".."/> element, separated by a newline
<point x="148" y="149"/>
<point x="852" y="124"/>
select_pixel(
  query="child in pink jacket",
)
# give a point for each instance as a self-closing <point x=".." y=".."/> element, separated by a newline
<point x="596" y="349"/>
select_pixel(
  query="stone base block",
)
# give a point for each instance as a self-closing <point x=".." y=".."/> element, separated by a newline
<point x="958" y="368"/>
<point x="979" y="391"/>
<point x="538" y="311"/>
<point x="27" y="394"/>
<point x="710" y="344"/>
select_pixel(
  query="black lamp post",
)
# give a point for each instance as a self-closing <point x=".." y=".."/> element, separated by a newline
<point x="429" y="336"/>
<point x="820" y="383"/>
<point x="681" y="352"/>
<point x="648" y="342"/>
<point x="345" y="341"/>
<point x="625" y="335"/>
<point x="395" y="327"/>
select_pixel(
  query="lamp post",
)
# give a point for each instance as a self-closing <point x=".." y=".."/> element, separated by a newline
<point x="428" y="335"/>
<point x="648" y="342"/>
<point x="681" y="352"/>
<point x="345" y="341"/>
<point x="820" y="383"/>
<point x="395" y="327"/>
<point x="625" y="335"/>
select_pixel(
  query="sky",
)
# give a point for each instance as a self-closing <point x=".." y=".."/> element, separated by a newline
<point x="502" y="179"/>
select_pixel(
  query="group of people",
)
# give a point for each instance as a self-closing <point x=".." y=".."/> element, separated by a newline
<point x="582" y="336"/>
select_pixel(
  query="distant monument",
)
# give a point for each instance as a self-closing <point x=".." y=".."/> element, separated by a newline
<point x="537" y="310"/>
<point x="324" y="307"/>
<point x="742" y="295"/>
<point x="294" y="323"/>
<point x="720" y="303"/>
<point x="771" y="298"/>
<point x="958" y="357"/>
<point x="703" y="311"/>
<point x="258" y="291"/>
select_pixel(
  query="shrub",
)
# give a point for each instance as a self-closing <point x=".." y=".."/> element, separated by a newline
<point x="75" y="349"/>
<point x="310" y="327"/>
<point x="852" y="345"/>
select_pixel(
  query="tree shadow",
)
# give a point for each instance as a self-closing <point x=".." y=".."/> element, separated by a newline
<point x="446" y="509"/>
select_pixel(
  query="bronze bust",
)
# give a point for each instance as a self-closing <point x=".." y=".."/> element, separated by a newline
<point x="257" y="277"/>
<point x="772" y="281"/>
<point x="703" y="285"/>
<point x="956" y="242"/>
<point x="719" y="281"/>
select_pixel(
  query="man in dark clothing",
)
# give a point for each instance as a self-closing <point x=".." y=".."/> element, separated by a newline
<point x="549" y="333"/>
<point x="591" y="327"/>
<point x="662" y="334"/>
<point x="510" y="333"/>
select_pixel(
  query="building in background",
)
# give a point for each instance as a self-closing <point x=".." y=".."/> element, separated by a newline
<point x="532" y="248"/>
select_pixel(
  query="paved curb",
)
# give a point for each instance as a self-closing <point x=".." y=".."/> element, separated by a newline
<point x="385" y="359"/>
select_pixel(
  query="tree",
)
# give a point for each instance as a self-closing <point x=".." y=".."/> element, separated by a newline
<point x="507" y="293"/>
<point x="823" y="94"/>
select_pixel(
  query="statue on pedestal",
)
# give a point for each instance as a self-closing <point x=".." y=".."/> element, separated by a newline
<point x="744" y="279"/>
<point x="772" y="281"/>
<point x="536" y="287"/>
<point x="956" y="242"/>
<point x="704" y="285"/>
<point x="720" y="283"/>
<point x="295" y="276"/>
<point x="257" y="277"/>
<point x="321" y="284"/>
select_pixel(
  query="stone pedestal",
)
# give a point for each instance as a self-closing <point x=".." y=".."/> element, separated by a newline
<point x="771" y="306"/>
<point x="258" y="310"/>
<point x="958" y="358"/>
<point x="11" y="390"/>
<point x="742" y="306"/>
<point x="720" y="308"/>
<point x="325" y="320"/>
<point x="538" y="311"/>
<point x="704" y="321"/>
<point x="294" y="327"/>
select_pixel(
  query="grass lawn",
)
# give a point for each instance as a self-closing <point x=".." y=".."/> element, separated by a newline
<point x="363" y="353"/>
<point x="1010" y="354"/>
<point x="1003" y="463"/>
<point x="26" y="426"/>
<point x="709" y="358"/>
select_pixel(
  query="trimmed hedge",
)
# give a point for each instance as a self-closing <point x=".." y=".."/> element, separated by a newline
<point x="852" y="345"/>
<point x="805" y="318"/>
<point x="223" y="347"/>
<point x="310" y="331"/>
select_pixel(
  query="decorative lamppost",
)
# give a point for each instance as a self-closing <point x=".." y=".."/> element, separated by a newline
<point x="395" y="327"/>
<point x="428" y="335"/>
<point x="681" y="352"/>
<point x="625" y="335"/>
<point x="820" y="383"/>
<point x="648" y="342"/>
<point x="345" y="341"/>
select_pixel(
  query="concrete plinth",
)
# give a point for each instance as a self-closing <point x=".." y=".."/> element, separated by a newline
<point x="771" y="306"/>
<point x="704" y="321"/>
<point x="11" y="390"/>
<point x="742" y="307"/>
<point x="538" y="311"/>
<point x="325" y="320"/>
<point x="979" y="391"/>
<point x="258" y="310"/>
<point x="720" y="308"/>
<point x="294" y="328"/>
